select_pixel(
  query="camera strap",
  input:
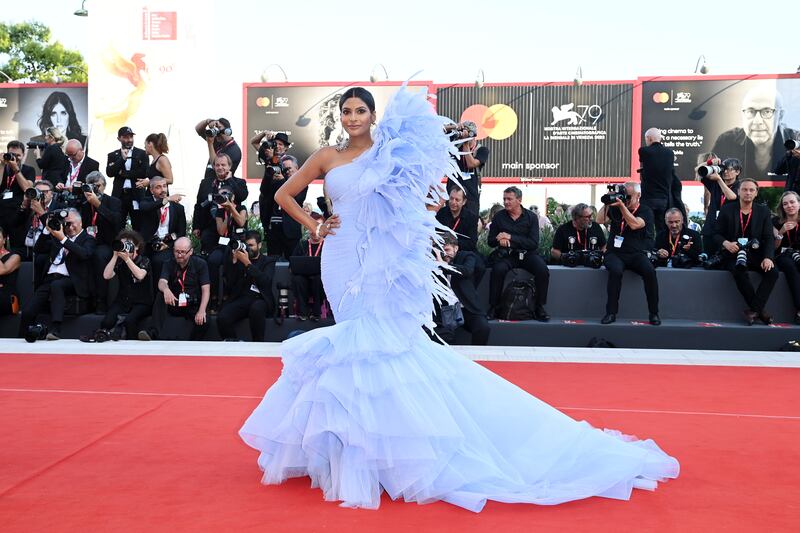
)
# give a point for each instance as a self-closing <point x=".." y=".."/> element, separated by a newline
<point x="74" y="171"/>
<point x="94" y="217"/>
<point x="10" y="181"/>
<point x="622" y="224"/>
<point x="742" y="223"/>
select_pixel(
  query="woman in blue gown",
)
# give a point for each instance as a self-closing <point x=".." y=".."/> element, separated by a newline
<point x="371" y="403"/>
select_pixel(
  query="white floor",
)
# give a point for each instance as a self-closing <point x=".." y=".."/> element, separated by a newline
<point x="483" y="353"/>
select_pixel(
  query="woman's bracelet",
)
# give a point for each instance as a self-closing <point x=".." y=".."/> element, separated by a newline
<point x="316" y="231"/>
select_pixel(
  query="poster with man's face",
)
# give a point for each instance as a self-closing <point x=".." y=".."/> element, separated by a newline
<point x="746" y="119"/>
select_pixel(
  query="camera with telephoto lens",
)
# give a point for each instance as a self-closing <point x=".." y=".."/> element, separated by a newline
<point x="212" y="131"/>
<point x="65" y="197"/>
<point x="8" y="157"/>
<point x="269" y="144"/>
<point x="282" y="311"/>
<point x="616" y="192"/>
<point x="36" y="332"/>
<point x="123" y="246"/>
<point x="160" y="243"/>
<point x="792" y="144"/>
<point x="793" y="254"/>
<point x="221" y="197"/>
<point x="591" y="257"/>
<point x="89" y="187"/>
<point x="33" y="145"/>
<point x="706" y="170"/>
<point x="57" y="219"/>
<point x="34" y="194"/>
<point x="461" y="132"/>
<point x="238" y="246"/>
<point x="713" y="262"/>
<point x="745" y="247"/>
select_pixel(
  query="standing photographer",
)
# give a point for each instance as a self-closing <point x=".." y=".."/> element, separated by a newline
<point x="578" y="239"/>
<point x="248" y="284"/>
<point x="789" y="165"/>
<point x="17" y="178"/>
<point x="744" y="232"/>
<point x="185" y="287"/>
<point x="281" y="231"/>
<point x="630" y="238"/>
<point x="205" y="208"/>
<point x="52" y="161"/>
<point x="471" y="159"/>
<point x="128" y="168"/>
<point x="678" y="246"/>
<point x="135" y="295"/>
<point x="163" y="222"/>
<point x="657" y="169"/>
<point x="79" y="165"/>
<point x="101" y="216"/>
<point x="787" y="244"/>
<point x="219" y="137"/>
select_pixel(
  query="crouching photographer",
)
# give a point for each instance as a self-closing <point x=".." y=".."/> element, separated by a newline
<point x="135" y="294"/>
<point x="248" y="286"/>
<point x="787" y="244"/>
<point x="580" y="242"/>
<point x="678" y="246"/>
<point x="186" y="289"/>
<point x="744" y="232"/>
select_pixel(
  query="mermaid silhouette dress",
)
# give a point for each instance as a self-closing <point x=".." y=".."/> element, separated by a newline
<point x="372" y="404"/>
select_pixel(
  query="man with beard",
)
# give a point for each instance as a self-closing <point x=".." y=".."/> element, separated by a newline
<point x="127" y="167"/>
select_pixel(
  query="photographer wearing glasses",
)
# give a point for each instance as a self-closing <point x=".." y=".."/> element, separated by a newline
<point x="70" y="250"/>
<point x="744" y="233"/>
<point x="580" y="242"/>
<point x="163" y="221"/>
<point x="515" y="235"/>
<point x="471" y="159"/>
<point x="219" y="137"/>
<point x="135" y="294"/>
<point x="185" y="287"/>
<point x="79" y="165"/>
<point x="248" y="285"/>
<point x="678" y="246"/>
<point x="630" y="240"/>
<point x="101" y="215"/>
<point x="17" y="178"/>
<point x="721" y="180"/>
<point x="281" y="231"/>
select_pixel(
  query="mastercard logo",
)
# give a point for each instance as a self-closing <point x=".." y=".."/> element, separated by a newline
<point x="661" y="98"/>
<point x="497" y="122"/>
<point x="262" y="102"/>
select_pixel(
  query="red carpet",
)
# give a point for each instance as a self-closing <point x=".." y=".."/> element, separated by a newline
<point x="94" y="461"/>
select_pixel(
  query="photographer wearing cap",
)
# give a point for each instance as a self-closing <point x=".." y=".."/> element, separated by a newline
<point x="630" y="240"/>
<point x="678" y="246"/>
<point x="128" y="168"/>
<point x="70" y="250"/>
<point x="52" y="161"/>
<point x="219" y="137"/>
<point x="580" y="242"/>
<point x="471" y="159"/>
<point x="17" y="178"/>
<point x="248" y="285"/>
<point x="281" y="231"/>
<point x="515" y="235"/>
<point x="101" y="215"/>
<point x="135" y="294"/>
<point x="744" y="233"/>
<point x="721" y="180"/>
<point x="163" y="221"/>
<point x="185" y="288"/>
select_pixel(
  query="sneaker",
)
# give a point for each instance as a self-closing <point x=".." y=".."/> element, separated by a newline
<point x="144" y="336"/>
<point x="53" y="336"/>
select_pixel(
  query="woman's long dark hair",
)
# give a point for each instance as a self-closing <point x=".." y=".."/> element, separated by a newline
<point x="57" y="97"/>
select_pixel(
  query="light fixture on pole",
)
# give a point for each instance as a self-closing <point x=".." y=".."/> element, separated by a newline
<point x="303" y="121"/>
<point x="700" y="67"/>
<point x="480" y="79"/>
<point x="373" y="78"/>
<point x="578" y="81"/>
<point x="265" y="73"/>
<point x="82" y="12"/>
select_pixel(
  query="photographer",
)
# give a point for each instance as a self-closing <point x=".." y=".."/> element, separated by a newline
<point x="70" y="250"/>
<point x="471" y="159"/>
<point x="270" y="147"/>
<point x="9" y="265"/>
<point x="461" y="221"/>
<point x="231" y="219"/>
<point x="101" y="215"/>
<point x="163" y="221"/>
<point x="17" y="178"/>
<point x="678" y="246"/>
<point x="128" y="168"/>
<point x="657" y="171"/>
<point x="515" y="235"/>
<point x="307" y="286"/>
<point x="219" y="137"/>
<point x="721" y="180"/>
<point x="185" y="287"/>
<point x="630" y="238"/>
<point x="789" y="165"/>
<point x="579" y="242"/>
<point x="465" y="273"/>
<point x="248" y="284"/>
<point x="31" y="219"/>
<point x="52" y="161"/>
<point x="744" y="232"/>
<point x="281" y="231"/>
<point x="787" y="244"/>
<point x="79" y="165"/>
<point x="135" y="295"/>
<point x="204" y="222"/>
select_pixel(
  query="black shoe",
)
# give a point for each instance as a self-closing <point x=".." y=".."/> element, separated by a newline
<point x="654" y="319"/>
<point x="540" y="314"/>
<point x="117" y="333"/>
<point x="765" y="317"/>
<point x="609" y="318"/>
<point x="491" y="314"/>
<point x="750" y="317"/>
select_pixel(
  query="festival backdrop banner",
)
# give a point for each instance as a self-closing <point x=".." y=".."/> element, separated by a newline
<point x="745" y="117"/>
<point x="548" y="132"/>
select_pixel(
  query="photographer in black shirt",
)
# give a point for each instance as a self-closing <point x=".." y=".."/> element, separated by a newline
<point x="678" y="246"/>
<point x="581" y="241"/>
<point x="630" y="240"/>
<point x="722" y="184"/>
<point x="248" y="286"/>
<point x="281" y="231"/>
<point x="463" y="222"/>
<point x="218" y="135"/>
<point x="515" y="234"/>
<point x="185" y="287"/>
<point x="471" y="159"/>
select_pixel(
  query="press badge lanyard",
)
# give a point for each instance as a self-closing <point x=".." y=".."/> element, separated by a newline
<point x="164" y="211"/>
<point x="182" y="280"/>
<point x="223" y="147"/>
<point x="74" y="173"/>
<point x="319" y="249"/>
<point x="585" y="236"/>
<point x="457" y="222"/>
<point x="622" y="224"/>
<point x="742" y="223"/>
<point x="674" y="246"/>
